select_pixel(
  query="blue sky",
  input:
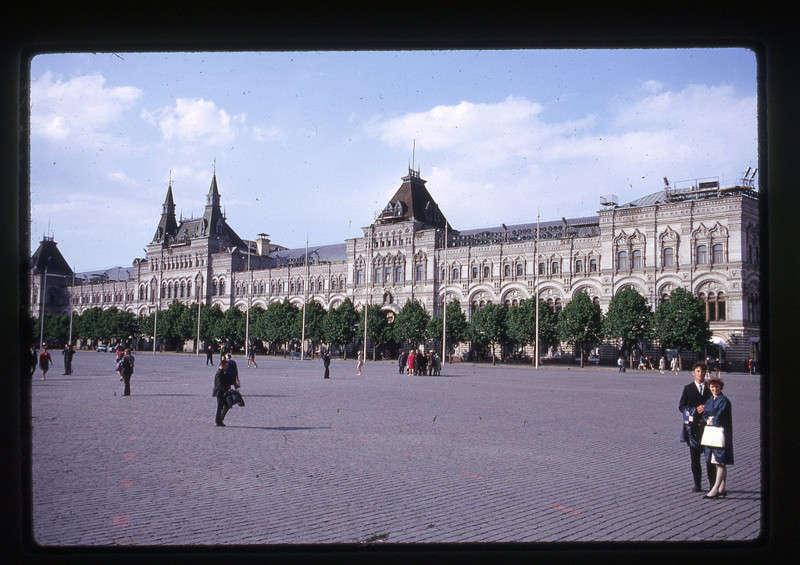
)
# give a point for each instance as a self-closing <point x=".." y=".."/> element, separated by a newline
<point x="312" y="144"/>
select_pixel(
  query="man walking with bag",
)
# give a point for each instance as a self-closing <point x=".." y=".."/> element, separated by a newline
<point x="692" y="405"/>
<point x="222" y="384"/>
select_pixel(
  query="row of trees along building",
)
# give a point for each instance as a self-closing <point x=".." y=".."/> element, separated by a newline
<point x="497" y="332"/>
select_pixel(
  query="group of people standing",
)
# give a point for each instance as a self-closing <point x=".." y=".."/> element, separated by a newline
<point x="43" y="360"/>
<point x="419" y="363"/>
<point x="703" y="404"/>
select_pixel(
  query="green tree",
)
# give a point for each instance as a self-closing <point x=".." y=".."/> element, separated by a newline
<point x="169" y="323"/>
<point x="580" y="324"/>
<point x="489" y="327"/>
<point x="211" y="323"/>
<point x="231" y="327"/>
<point x="521" y="325"/>
<point x="91" y="325"/>
<point x="146" y="324"/>
<point x="315" y="324"/>
<point x="56" y="330"/>
<point x="279" y="323"/>
<point x="411" y="324"/>
<point x="680" y="323"/>
<point x="628" y="319"/>
<point x="340" y="324"/>
<point x="256" y="314"/>
<point x="379" y="330"/>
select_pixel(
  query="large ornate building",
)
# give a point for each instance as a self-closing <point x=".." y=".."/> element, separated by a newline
<point x="695" y="235"/>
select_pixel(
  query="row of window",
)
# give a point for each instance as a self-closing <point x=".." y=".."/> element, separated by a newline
<point x="102" y="297"/>
<point x="179" y="262"/>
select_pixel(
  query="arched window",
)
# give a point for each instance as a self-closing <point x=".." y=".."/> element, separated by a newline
<point x="716" y="254"/>
<point x="541" y="268"/>
<point x="183" y="289"/>
<point x="520" y="269"/>
<point x="189" y="288"/>
<point x="578" y="266"/>
<point x="420" y="273"/>
<point x="668" y="257"/>
<point x="299" y="286"/>
<point x="715" y="306"/>
<point x="163" y="290"/>
<point x="359" y="277"/>
<point x="558" y="305"/>
<point x="474" y="273"/>
<point x="222" y="287"/>
<point x="487" y="272"/>
<point x="636" y="259"/>
<point x="398" y="274"/>
<point x="554" y="267"/>
<point x="456" y="272"/>
<point x="701" y="255"/>
<point x="507" y="271"/>
<point x="214" y="288"/>
<point x="622" y="261"/>
<point x="592" y="265"/>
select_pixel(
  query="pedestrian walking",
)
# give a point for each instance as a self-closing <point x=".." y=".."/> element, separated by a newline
<point x="401" y="361"/>
<point x="411" y="362"/>
<point x="233" y="370"/>
<point x="673" y="366"/>
<point x="718" y="413"/>
<point x="692" y="405"/>
<point x="209" y="356"/>
<point x="326" y="362"/>
<point x="33" y="359"/>
<point x="44" y="361"/>
<point x="360" y="362"/>
<point x="437" y="365"/>
<point x="126" y="369"/>
<point x="621" y="364"/>
<point x="68" y="354"/>
<point x="251" y="358"/>
<point x="751" y="366"/>
<point x="662" y="364"/>
<point x="222" y="384"/>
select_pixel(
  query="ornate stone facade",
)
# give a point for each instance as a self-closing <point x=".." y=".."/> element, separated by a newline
<point x="703" y="238"/>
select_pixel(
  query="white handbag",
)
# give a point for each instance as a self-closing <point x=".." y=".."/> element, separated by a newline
<point x="713" y="436"/>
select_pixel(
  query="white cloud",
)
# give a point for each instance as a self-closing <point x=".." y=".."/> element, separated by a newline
<point x="267" y="133"/>
<point x="81" y="106"/>
<point x="505" y="152"/>
<point x="121" y="177"/>
<point x="195" y="121"/>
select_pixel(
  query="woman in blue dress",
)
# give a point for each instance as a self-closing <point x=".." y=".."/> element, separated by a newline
<point x="718" y="413"/>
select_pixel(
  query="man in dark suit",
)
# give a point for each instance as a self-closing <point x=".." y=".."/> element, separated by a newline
<point x="692" y="405"/>
<point x="222" y="384"/>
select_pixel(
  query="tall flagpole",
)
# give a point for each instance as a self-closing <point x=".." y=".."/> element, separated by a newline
<point x="158" y="298"/>
<point x="71" y="307"/>
<point x="305" y="299"/>
<point x="536" y="287"/>
<point x="197" y="291"/>
<point x="247" y="315"/>
<point x="444" y="298"/>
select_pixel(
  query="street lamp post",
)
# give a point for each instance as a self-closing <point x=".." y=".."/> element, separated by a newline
<point x="44" y="297"/>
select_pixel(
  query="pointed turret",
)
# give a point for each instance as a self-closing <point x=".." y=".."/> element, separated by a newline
<point x="167" y="226"/>
<point x="213" y="221"/>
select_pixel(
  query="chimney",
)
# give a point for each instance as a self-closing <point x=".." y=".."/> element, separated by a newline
<point x="262" y="244"/>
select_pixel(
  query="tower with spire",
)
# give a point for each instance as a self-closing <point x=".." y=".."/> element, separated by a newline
<point x="167" y="225"/>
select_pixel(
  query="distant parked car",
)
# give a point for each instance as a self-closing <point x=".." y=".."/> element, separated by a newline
<point x="102" y="347"/>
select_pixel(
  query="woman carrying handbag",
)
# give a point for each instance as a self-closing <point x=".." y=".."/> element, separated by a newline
<point x="718" y="413"/>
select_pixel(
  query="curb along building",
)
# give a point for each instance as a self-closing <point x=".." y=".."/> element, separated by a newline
<point x="695" y="235"/>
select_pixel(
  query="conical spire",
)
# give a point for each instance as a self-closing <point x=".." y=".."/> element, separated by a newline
<point x="167" y="225"/>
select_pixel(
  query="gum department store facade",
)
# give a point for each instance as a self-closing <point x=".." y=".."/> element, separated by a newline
<point x="702" y="237"/>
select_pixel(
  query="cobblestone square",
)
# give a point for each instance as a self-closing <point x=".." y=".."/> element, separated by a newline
<point x="484" y="454"/>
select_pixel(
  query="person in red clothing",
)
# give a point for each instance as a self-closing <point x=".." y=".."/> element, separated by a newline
<point x="44" y="361"/>
<point x="412" y="359"/>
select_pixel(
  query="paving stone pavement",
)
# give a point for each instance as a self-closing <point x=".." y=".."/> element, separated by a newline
<point x="482" y="454"/>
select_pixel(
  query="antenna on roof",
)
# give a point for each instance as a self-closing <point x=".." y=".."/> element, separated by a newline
<point x="215" y="166"/>
<point x="666" y="182"/>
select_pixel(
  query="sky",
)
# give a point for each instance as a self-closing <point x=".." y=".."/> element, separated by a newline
<point x="311" y="145"/>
